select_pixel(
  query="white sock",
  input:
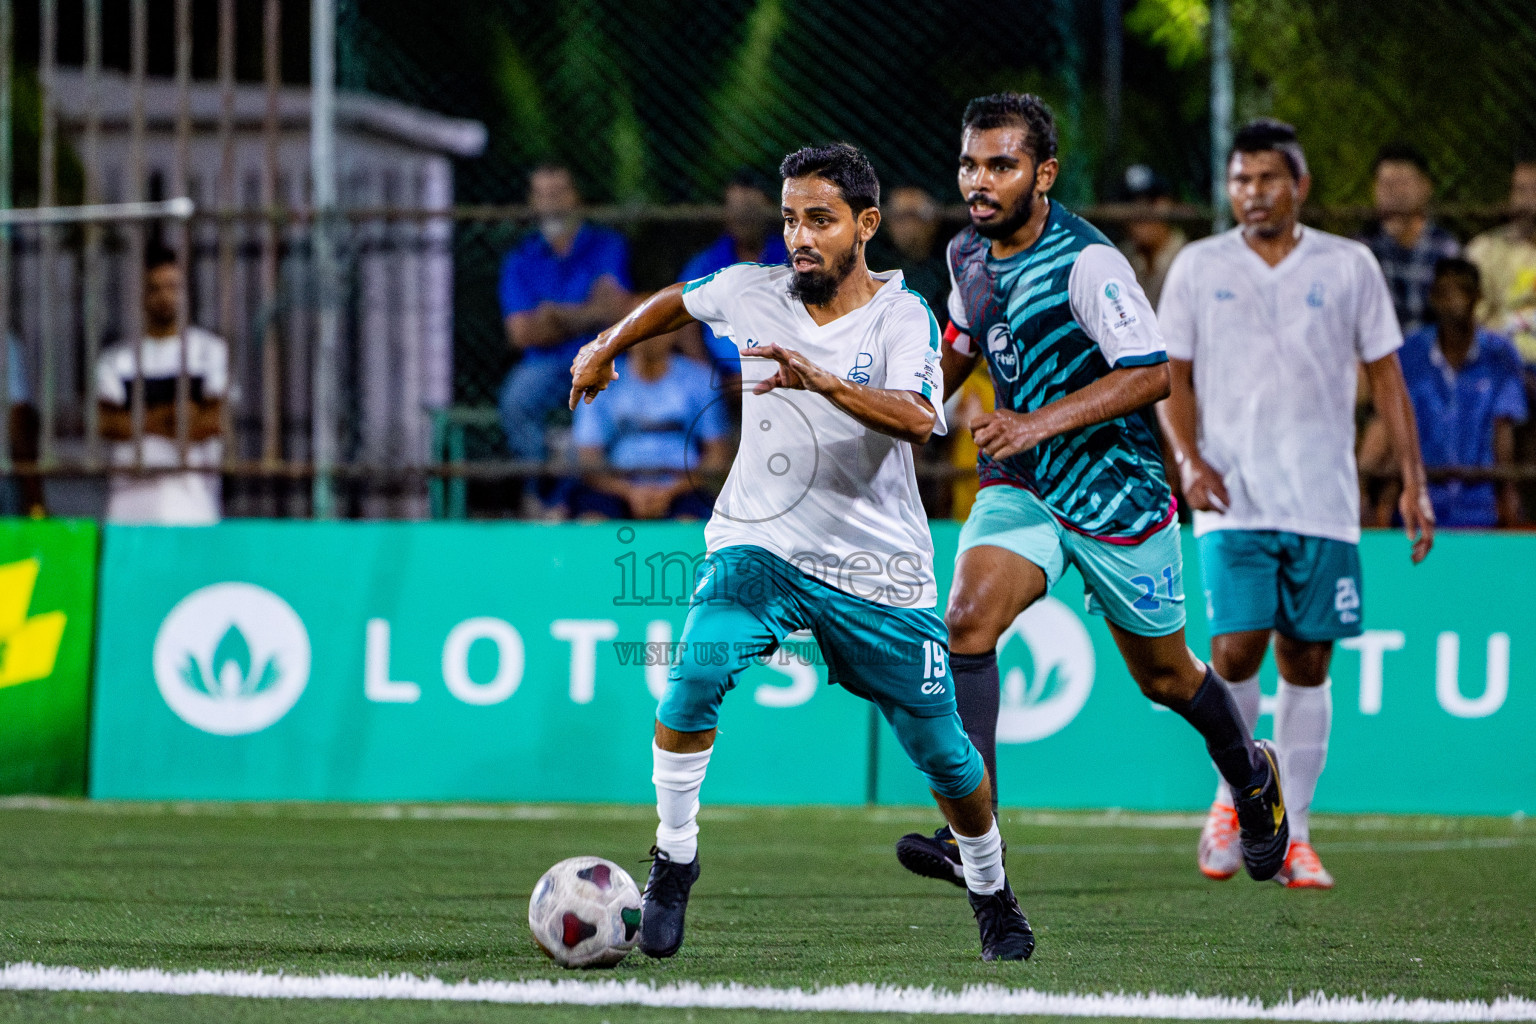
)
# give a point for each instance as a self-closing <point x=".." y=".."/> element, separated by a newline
<point x="982" y="859"/>
<point x="1303" y="716"/>
<point x="678" y="778"/>
<point x="1245" y="693"/>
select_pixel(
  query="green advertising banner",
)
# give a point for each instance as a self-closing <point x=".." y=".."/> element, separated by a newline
<point x="373" y="661"/>
<point x="1433" y="706"/>
<point x="261" y="660"/>
<point x="47" y="599"/>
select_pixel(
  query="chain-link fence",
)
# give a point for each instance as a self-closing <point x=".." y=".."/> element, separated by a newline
<point x="652" y="102"/>
<point x="654" y="105"/>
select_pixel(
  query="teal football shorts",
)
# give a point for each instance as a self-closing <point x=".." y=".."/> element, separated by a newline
<point x="747" y="600"/>
<point x="1307" y="588"/>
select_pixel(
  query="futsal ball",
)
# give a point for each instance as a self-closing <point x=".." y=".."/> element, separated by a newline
<point x="585" y="912"/>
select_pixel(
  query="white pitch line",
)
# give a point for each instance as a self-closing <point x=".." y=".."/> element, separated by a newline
<point x="977" y="999"/>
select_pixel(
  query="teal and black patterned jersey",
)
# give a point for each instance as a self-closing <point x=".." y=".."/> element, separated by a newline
<point x="1051" y="320"/>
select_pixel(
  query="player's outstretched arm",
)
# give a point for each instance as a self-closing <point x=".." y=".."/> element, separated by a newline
<point x="1003" y="433"/>
<point x="592" y="369"/>
<point x="1390" y="393"/>
<point x="904" y="415"/>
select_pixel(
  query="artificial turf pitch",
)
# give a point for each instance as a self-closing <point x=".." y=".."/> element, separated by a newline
<point x="1425" y="907"/>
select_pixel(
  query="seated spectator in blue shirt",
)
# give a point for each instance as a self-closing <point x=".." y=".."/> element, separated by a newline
<point x="654" y="439"/>
<point x="559" y="287"/>
<point x="1468" y="393"/>
<point x="751" y="236"/>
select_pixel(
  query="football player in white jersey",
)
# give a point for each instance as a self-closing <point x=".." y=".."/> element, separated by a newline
<point x="1265" y="326"/>
<point x="819" y="525"/>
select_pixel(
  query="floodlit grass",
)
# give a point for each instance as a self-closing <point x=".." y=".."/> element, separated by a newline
<point x="1439" y="908"/>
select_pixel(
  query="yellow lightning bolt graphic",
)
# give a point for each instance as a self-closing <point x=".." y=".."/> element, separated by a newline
<point x="28" y="646"/>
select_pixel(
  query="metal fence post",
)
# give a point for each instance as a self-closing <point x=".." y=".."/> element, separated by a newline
<point x="7" y="40"/>
<point x="322" y="150"/>
<point x="1221" y="110"/>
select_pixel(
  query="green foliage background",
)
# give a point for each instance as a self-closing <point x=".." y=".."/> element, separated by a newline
<point x="657" y="101"/>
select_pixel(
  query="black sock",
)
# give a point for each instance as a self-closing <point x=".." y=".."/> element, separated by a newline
<point x="1213" y="712"/>
<point x="979" y="694"/>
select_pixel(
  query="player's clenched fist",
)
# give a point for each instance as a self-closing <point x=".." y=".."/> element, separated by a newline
<point x="1003" y="434"/>
<point x="1202" y="485"/>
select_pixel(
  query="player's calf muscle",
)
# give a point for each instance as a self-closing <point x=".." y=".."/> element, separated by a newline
<point x="675" y="742"/>
<point x="1162" y="666"/>
<point x="970" y="815"/>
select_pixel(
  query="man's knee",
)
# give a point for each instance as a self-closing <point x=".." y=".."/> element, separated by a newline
<point x="1237" y="656"/>
<point x="1168" y="684"/>
<point x="974" y="626"/>
<point x="1303" y="662"/>
<point x="938" y="748"/>
<point x="694" y="692"/>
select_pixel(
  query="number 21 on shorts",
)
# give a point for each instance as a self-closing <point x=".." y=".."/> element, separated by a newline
<point x="1148" y="586"/>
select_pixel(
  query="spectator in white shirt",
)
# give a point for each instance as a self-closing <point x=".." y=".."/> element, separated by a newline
<point x="185" y="498"/>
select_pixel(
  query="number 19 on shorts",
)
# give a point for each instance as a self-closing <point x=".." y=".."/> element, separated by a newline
<point x="935" y="660"/>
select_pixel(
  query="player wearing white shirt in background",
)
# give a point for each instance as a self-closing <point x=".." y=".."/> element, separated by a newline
<point x="187" y="498"/>
<point x="1265" y="326"/>
<point x="819" y="525"/>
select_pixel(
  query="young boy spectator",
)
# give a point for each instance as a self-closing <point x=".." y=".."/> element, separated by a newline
<point x="1404" y="240"/>
<point x="1507" y="258"/>
<point x="1468" y="395"/>
<point x="649" y="444"/>
<point x="751" y="236"/>
<point x="562" y="285"/>
<point x="184" y="498"/>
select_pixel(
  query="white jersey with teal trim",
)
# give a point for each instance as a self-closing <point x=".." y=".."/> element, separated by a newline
<point x="810" y="483"/>
<point x="1275" y="353"/>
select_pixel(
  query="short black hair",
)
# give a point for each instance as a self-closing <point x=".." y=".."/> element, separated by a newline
<point x="1455" y="266"/>
<point x="1267" y="135"/>
<point x="157" y="255"/>
<point x="844" y="166"/>
<point x="1401" y="153"/>
<point x="1015" y="108"/>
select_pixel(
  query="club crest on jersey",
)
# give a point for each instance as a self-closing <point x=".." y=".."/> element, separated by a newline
<point x="1001" y="351"/>
<point x="1315" y="296"/>
<point x="861" y="364"/>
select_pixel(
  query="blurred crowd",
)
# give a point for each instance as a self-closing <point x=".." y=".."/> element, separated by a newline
<point x="658" y="443"/>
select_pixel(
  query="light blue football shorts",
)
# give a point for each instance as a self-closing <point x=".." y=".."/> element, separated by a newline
<point x="1139" y="587"/>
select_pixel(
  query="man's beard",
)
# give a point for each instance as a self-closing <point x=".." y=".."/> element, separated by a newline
<point x="819" y="287"/>
<point x="1006" y="227"/>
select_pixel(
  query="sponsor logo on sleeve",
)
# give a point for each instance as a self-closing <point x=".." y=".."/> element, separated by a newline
<point x="1121" y="316"/>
